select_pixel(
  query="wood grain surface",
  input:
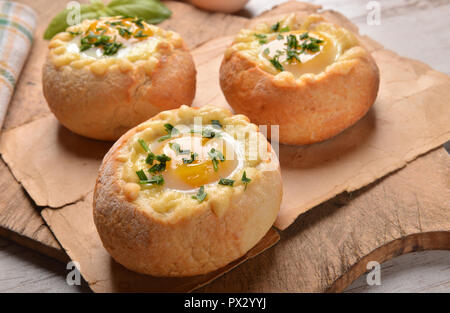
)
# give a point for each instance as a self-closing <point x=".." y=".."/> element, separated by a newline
<point x="419" y="190"/>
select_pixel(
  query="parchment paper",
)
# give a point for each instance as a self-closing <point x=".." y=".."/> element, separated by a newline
<point x="409" y="118"/>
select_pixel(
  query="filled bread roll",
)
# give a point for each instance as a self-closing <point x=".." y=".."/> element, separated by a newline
<point x="103" y="77"/>
<point x="187" y="192"/>
<point x="310" y="77"/>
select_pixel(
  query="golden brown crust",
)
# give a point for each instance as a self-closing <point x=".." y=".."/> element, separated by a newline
<point x="105" y="106"/>
<point x="101" y="97"/>
<point x="180" y="243"/>
<point x="310" y="109"/>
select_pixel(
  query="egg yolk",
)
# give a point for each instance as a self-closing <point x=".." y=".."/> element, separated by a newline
<point x="186" y="170"/>
<point x="313" y="60"/>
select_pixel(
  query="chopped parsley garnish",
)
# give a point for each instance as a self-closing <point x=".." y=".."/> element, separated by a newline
<point x="216" y="156"/>
<point x="192" y="159"/>
<point x="262" y="39"/>
<point x="216" y="123"/>
<point x="176" y="147"/>
<point x="104" y="41"/>
<point x="292" y="42"/>
<point x="140" y="34"/>
<point x="226" y="182"/>
<point x="141" y="175"/>
<point x="208" y="133"/>
<point x="266" y="51"/>
<point x="245" y="180"/>
<point x="280" y="36"/>
<point x="144" y="145"/>
<point x="74" y="33"/>
<point x="138" y="22"/>
<point x="275" y="27"/>
<point x="150" y="158"/>
<point x="170" y="131"/>
<point x="285" y="29"/>
<point x="304" y="36"/>
<point x="161" y="166"/>
<point x="277" y="64"/>
<point x="155" y="180"/>
<point x="201" y="194"/>
<point x="124" y="32"/>
<point x="111" y="48"/>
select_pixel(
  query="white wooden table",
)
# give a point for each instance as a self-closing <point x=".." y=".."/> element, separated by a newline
<point x="417" y="29"/>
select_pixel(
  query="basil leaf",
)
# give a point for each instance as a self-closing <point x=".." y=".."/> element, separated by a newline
<point x="152" y="11"/>
<point x="59" y="22"/>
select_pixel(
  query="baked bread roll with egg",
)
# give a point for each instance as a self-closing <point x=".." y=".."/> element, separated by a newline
<point x="186" y="192"/>
<point x="103" y="77"/>
<point x="312" y="78"/>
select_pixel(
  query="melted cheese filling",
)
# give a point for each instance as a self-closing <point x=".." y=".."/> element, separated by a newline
<point x="191" y="165"/>
<point x="310" y="62"/>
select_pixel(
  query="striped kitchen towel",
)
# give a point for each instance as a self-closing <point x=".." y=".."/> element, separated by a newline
<point x="17" y="23"/>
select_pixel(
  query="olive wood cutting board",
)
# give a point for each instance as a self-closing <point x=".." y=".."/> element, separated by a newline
<point x="326" y="249"/>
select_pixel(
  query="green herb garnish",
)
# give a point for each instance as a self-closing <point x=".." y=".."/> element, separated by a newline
<point x="140" y="34"/>
<point x="124" y="32"/>
<point x="280" y="36"/>
<point x="275" y="27"/>
<point x="245" y="180"/>
<point x="304" y="36"/>
<point x="266" y="51"/>
<point x="161" y="166"/>
<point x="226" y="182"/>
<point x="141" y="175"/>
<point x="170" y="131"/>
<point x="74" y="33"/>
<point x="201" y="194"/>
<point x="277" y="64"/>
<point x="192" y="159"/>
<point x="285" y="29"/>
<point x="262" y="39"/>
<point x="216" y="123"/>
<point x="150" y="158"/>
<point x="208" y="133"/>
<point x="176" y="147"/>
<point x="138" y="22"/>
<point x="216" y="156"/>
<point x="155" y="180"/>
<point x="144" y="145"/>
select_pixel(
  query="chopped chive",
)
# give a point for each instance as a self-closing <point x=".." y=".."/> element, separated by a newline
<point x="161" y="166"/>
<point x="285" y="29"/>
<point x="176" y="147"/>
<point x="155" y="180"/>
<point x="245" y="180"/>
<point x="216" y="156"/>
<point x="266" y="51"/>
<point x="208" y="133"/>
<point x="192" y="159"/>
<point x="143" y="145"/>
<point x="277" y="64"/>
<point x="170" y="131"/>
<point x="201" y="194"/>
<point x="226" y="182"/>
<point x="140" y="34"/>
<point x="262" y="39"/>
<point x="216" y="123"/>
<point x="280" y="36"/>
<point x="304" y="36"/>
<point x="124" y="32"/>
<point x="150" y="158"/>
<point x="141" y="175"/>
<point x="275" y="27"/>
